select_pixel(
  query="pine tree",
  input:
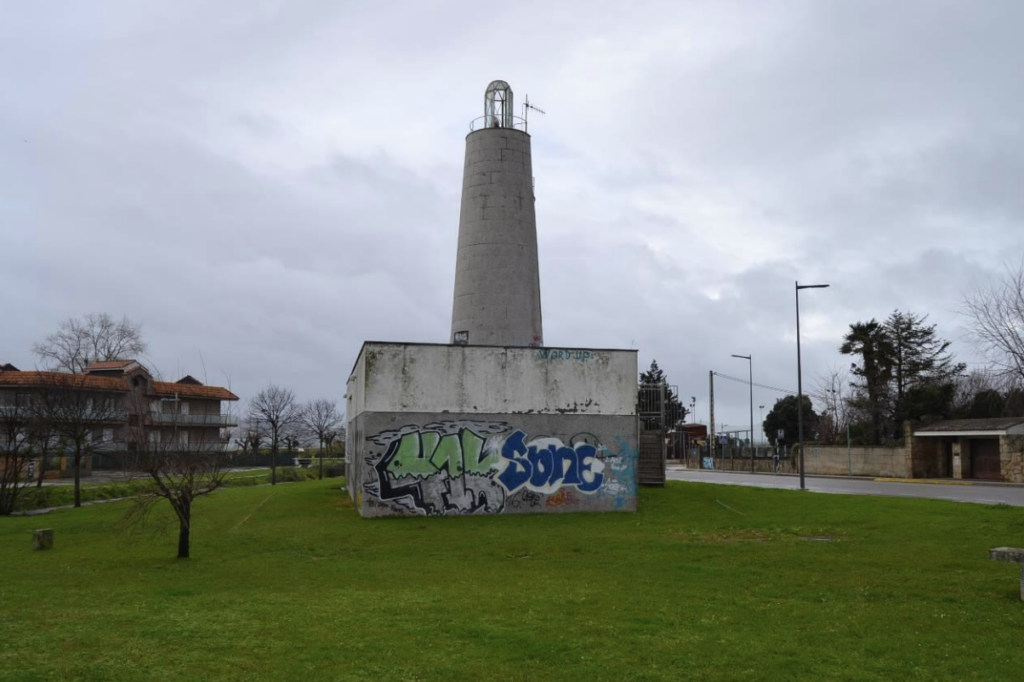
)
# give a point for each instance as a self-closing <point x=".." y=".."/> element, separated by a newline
<point x="650" y="400"/>
<point x="905" y="371"/>
<point x="922" y="367"/>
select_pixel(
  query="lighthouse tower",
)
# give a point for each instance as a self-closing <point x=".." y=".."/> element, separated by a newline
<point x="497" y="280"/>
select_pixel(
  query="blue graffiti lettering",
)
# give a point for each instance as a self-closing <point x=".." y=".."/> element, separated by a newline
<point x="591" y="479"/>
<point x="546" y="465"/>
<point x="518" y="470"/>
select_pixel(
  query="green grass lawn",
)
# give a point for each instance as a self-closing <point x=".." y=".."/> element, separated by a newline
<point x="288" y="583"/>
<point x="63" y="495"/>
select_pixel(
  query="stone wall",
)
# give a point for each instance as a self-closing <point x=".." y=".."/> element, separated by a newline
<point x="1011" y="458"/>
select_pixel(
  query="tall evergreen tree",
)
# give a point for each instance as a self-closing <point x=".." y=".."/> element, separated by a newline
<point x="649" y="399"/>
<point x="922" y="361"/>
<point x="905" y="371"/>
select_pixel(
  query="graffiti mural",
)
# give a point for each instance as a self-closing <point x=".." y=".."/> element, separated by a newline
<point x="466" y="467"/>
<point x="550" y="354"/>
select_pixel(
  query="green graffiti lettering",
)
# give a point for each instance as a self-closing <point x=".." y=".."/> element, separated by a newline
<point x="410" y="459"/>
<point x="430" y="441"/>
<point x="421" y="455"/>
<point x="448" y="452"/>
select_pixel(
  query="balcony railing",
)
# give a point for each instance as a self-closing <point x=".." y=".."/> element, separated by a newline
<point x="194" y="419"/>
<point x="106" y="416"/>
<point x="153" y="448"/>
<point x="108" y="446"/>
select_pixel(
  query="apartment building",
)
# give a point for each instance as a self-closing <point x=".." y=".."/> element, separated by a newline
<point x="118" y="402"/>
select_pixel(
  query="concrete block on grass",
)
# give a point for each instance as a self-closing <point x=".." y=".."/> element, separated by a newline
<point x="42" y="538"/>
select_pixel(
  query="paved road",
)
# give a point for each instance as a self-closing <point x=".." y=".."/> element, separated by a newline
<point x="984" y="494"/>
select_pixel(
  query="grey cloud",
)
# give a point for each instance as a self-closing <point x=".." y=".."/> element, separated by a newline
<point x="271" y="185"/>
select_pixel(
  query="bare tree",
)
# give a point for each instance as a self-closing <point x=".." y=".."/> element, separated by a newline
<point x="831" y="391"/>
<point x="96" y="337"/>
<point x="995" y="314"/>
<point x="181" y="472"/>
<point x="248" y="437"/>
<point x="76" y="409"/>
<point x="322" y="418"/>
<point x="969" y="386"/>
<point x="15" y="442"/>
<point x="276" y="414"/>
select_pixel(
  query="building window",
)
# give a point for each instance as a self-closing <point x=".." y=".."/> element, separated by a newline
<point x="154" y="437"/>
<point x="184" y="408"/>
<point x="108" y="435"/>
<point x="183" y="437"/>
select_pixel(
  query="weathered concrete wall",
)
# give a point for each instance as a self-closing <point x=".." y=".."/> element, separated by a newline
<point x="444" y="430"/>
<point x="760" y="465"/>
<point x="860" y="461"/>
<point x="398" y="377"/>
<point x="497" y="278"/>
<point x="433" y="464"/>
<point x="825" y="461"/>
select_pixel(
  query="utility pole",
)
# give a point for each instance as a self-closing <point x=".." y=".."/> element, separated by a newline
<point x="750" y="362"/>
<point x="711" y="416"/>
<point x="799" y="380"/>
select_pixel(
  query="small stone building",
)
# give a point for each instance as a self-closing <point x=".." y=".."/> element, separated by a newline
<point x="988" y="449"/>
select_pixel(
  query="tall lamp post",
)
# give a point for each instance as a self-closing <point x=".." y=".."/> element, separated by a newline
<point x="799" y="380"/>
<point x="750" y="362"/>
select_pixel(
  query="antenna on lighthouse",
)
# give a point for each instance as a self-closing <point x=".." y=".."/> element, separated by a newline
<point x="526" y="110"/>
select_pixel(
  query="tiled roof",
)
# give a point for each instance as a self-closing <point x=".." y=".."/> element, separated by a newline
<point x="8" y="367"/>
<point x="109" y="364"/>
<point x="119" y="384"/>
<point x="189" y="379"/>
<point x="1000" y="424"/>
<point x="43" y="379"/>
<point x="166" y="388"/>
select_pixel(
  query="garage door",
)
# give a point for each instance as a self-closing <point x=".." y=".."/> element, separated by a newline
<point x="985" y="458"/>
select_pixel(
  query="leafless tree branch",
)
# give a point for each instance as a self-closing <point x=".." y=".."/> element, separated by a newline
<point x="995" y="314"/>
<point x="322" y="419"/>
<point x="275" y="414"/>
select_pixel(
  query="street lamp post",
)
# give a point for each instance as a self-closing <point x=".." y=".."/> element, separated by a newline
<point x="751" y="365"/>
<point x="799" y="380"/>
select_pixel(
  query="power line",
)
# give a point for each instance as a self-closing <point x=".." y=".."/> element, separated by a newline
<point x="747" y="383"/>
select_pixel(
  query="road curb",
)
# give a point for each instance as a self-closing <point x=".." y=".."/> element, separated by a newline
<point x="921" y="480"/>
<point x="878" y="479"/>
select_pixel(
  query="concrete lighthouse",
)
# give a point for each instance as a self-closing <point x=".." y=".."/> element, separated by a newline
<point x="497" y="279"/>
<point x="494" y="422"/>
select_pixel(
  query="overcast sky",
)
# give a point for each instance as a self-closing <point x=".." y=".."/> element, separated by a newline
<point x="267" y="184"/>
